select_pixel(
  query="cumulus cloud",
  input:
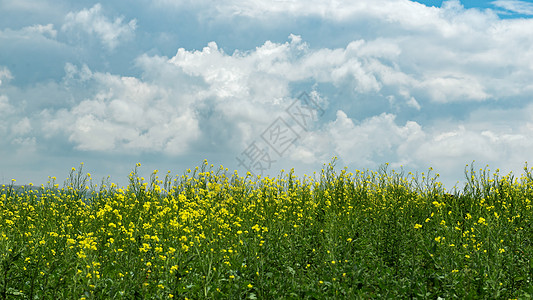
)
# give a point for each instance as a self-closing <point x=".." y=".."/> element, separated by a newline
<point x="379" y="139"/>
<point x="372" y="140"/>
<point x="442" y="54"/>
<point x="126" y="114"/>
<point x="209" y="94"/>
<point x="266" y="72"/>
<point x="405" y="83"/>
<point x="93" y="22"/>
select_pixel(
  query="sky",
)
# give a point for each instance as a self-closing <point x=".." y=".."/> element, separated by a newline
<point x="262" y="86"/>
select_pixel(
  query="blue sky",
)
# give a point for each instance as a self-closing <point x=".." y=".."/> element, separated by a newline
<point x="169" y="83"/>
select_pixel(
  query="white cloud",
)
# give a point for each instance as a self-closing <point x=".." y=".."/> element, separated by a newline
<point x="445" y="88"/>
<point x="375" y="139"/>
<point x="126" y="114"/>
<point x="5" y="107"/>
<point x="379" y="139"/>
<point x="450" y="52"/>
<point x="45" y="30"/>
<point x="92" y="21"/>
<point x="35" y="32"/>
<point x="73" y="73"/>
<point x="372" y="141"/>
<point x="521" y="7"/>
<point x="5" y="74"/>
<point x="15" y="129"/>
<point x="450" y="19"/>
<point x="22" y="127"/>
<point x="413" y="103"/>
<point x="418" y="58"/>
<point x="178" y="97"/>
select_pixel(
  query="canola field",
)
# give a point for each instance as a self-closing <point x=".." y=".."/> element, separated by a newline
<point x="212" y="234"/>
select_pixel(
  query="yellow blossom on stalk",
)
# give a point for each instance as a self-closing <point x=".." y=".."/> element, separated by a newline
<point x="173" y="269"/>
<point x="226" y="224"/>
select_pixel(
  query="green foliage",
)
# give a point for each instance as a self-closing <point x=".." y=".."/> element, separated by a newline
<point x="207" y="234"/>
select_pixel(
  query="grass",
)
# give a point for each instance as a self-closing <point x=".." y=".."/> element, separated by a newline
<point x="213" y="234"/>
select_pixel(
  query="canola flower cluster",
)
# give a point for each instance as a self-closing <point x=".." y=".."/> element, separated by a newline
<point x="210" y="234"/>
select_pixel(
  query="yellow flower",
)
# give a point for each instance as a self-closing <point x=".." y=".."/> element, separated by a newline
<point x="418" y="226"/>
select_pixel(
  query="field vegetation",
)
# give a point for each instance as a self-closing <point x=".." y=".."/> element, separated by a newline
<point x="213" y="234"/>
